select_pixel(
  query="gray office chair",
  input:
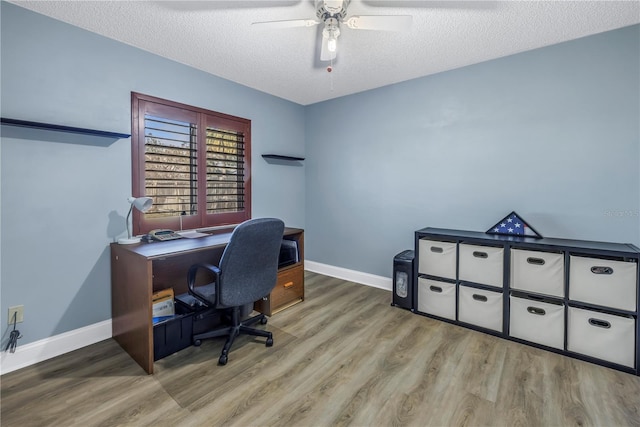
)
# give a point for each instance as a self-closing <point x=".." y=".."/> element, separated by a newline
<point x="247" y="272"/>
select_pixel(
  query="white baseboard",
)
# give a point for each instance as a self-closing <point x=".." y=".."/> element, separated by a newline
<point x="38" y="351"/>
<point x="350" y="275"/>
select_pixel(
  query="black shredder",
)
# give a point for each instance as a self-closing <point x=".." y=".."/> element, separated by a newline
<point x="403" y="279"/>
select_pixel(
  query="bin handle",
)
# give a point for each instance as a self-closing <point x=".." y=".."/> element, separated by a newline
<point x="435" y="288"/>
<point x="479" y="254"/>
<point x="436" y="249"/>
<point x="536" y="310"/>
<point x="478" y="297"/>
<point x="535" y="261"/>
<point x="599" y="323"/>
<point x="601" y="270"/>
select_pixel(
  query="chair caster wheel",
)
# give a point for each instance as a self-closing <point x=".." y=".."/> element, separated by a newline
<point x="263" y="320"/>
<point x="222" y="360"/>
<point x="269" y="342"/>
<point x="197" y="343"/>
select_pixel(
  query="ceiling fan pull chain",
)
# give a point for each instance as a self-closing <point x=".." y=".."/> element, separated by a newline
<point x="331" y="75"/>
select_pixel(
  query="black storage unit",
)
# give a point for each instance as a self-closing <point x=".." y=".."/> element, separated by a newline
<point x="403" y="279"/>
<point x="573" y="297"/>
<point x="174" y="334"/>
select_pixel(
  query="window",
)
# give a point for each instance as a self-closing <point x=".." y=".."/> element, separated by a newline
<point x="194" y="163"/>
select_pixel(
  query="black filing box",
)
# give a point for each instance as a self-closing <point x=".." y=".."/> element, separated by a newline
<point x="403" y="279"/>
<point x="174" y="334"/>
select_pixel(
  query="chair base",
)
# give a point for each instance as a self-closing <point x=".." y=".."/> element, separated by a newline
<point x="236" y="328"/>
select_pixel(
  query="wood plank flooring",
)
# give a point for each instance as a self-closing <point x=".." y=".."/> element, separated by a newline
<point x="342" y="357"/>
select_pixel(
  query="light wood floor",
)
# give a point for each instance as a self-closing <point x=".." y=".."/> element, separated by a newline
<point x="343" y="357"/>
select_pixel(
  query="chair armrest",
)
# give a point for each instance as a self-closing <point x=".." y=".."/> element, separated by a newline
<point x="191" y="279"/>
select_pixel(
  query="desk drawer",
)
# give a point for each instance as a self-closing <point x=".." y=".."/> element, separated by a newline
<point x="289" y="288"/>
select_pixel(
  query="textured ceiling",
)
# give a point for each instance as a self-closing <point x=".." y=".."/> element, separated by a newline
<point x="217" y="37"/>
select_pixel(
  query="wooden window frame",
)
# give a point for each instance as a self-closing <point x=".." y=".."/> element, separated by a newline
<point x="203" y="118"/>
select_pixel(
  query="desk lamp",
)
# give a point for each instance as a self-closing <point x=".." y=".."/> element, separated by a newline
<point x="143" y="204"/>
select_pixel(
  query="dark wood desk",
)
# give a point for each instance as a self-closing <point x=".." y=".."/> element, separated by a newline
<point x="139" y="270"/>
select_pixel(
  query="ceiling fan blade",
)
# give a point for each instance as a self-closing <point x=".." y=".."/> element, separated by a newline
<point x="325" y="53"/>
<point x="380" y="22"/>
<point x="291" y="23"/>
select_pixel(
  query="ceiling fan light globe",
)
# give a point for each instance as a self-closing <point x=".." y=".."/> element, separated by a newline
<point x="332" y="43"/>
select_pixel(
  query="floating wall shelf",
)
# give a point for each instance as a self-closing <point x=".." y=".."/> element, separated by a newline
<point x="281" y="157"/>
<point x="60" y="128"/>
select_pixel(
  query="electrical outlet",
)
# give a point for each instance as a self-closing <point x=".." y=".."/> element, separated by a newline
<point x="19" y="312"/>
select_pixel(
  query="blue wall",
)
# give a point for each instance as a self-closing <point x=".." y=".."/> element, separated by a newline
<point x="64" y="196"/>
<point x="551" y="133"/>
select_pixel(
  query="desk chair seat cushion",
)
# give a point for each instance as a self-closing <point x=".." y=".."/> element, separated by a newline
<point x="207" y="293"/>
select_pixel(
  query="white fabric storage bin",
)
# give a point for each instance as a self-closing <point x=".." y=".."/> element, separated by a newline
<point x="437" y="298"/>
<point x="437" y="258"/>
<point x="600" y="335"/>
<point x="535" y="271"/>
<point x="481" y="264"/>
<point x="480" y="307"/>
<point x="537" y="321"/>
<point x="603" y="282"/>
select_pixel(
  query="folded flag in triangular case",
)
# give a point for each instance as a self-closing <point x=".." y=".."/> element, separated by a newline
<point x="513" y="225"/>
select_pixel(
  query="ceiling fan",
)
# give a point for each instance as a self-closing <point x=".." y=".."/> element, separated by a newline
<point x="333" y="14"/>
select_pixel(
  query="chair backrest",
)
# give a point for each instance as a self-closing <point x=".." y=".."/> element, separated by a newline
<point x="249" y="264"/>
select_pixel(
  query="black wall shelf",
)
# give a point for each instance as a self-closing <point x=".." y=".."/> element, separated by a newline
<point x="281" y="157"/>
<point x="60" y="128"/>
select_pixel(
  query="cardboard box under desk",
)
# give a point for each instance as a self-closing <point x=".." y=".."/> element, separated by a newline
<point x="162" y="303"/>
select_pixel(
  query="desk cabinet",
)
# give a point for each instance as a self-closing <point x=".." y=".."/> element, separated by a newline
<point x="577" y="298"/>
<point x="139" y="270"/>
<point x="289" y="289"/>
